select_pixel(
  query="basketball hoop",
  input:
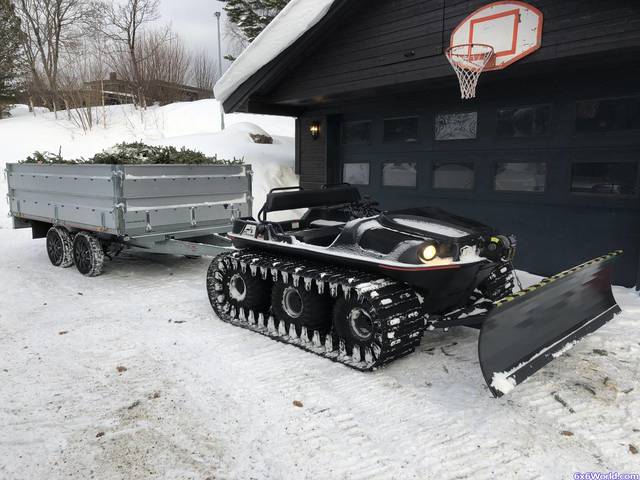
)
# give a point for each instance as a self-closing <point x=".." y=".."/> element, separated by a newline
<point x="468" y="61"/>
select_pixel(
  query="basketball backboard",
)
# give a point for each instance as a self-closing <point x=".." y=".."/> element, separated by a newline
<point x="512" y="28"/>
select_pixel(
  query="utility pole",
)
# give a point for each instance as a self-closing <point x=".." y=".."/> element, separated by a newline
<point x="220" y="68"/>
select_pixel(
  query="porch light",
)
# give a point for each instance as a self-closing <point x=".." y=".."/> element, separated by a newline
<point x="314" y="130"/>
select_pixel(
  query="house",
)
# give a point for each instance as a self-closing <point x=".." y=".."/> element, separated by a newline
<point x="119" y="91"/>
<point x="548" y="149"/>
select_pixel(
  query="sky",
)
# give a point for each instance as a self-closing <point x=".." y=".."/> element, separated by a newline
<point x="195" y="22"/>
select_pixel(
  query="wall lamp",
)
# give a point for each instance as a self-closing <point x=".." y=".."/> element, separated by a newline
<point x="314" y="130"/>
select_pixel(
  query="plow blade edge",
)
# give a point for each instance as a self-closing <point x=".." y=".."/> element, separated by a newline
<point x="526" y="331"/>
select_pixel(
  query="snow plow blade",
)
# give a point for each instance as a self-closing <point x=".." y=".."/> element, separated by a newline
<point x="526" y="331"/>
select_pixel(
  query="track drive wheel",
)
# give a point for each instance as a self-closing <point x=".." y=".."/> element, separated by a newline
<point x="60" y="247"/>
<point x="356" y="323"/>
<point x="88" y="254"/>
<point x="230" y="287"/>
<point x="300" y="307"/>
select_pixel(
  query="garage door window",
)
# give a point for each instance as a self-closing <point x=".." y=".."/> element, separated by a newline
<point x="524" y="121"/>
<point x="606" y="115"/>
<point x="521" y="177"/>
<point x="454" y="176"/>
<point x="356" y="133"/>
<point x="456" y="126"/>
<point x="356" y="173"/>
<point x="604" y="178"/>
<point x="401" y="130"/>
<point x="399" y="174"/>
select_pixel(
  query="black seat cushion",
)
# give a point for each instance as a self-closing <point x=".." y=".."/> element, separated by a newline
<point x="293" y="200"/>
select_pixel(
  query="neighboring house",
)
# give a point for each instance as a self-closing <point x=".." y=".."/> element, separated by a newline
<point x="118" y="91"/>
<point x="549" y="149"/>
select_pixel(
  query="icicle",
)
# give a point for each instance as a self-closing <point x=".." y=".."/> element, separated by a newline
<point x="296" y="280"/>
<point x="342" y="348"/>
<point x="328" y="344"/>
<point x="293" y="333"/>
<point x="368" y="355"/>
<point x="317" y="341"/>
<point x="285" y="277"/>
<point x="320" y="284"/>
<point x="261" y="319"/>
<point x="304" y="335"/>
<point x="254" y="270"/>
<point x="355" y="354"/>
<point x="346" y="291"/>
<point x="274" y="274"/>
<point x="282" y="331"/>
<point x="271" y="326"/>
<point x="241" y="315"/>
<point x="307" y="284"/>
<point x="252" y="317"/>
<point x="333" y="287"/>
<point x="264" y="271"/>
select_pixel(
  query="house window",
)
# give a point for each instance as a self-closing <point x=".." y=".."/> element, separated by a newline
<point x="604" y="178"/>
<point x="399" y="174"/>
<point x="356" y="173"/>
<point x="524" y="121"/>
<point x="401" y="130"/>
<point x="356" y="133"/>
<point x="456" y="126"/>
<point x="455" y="176"/>
<point x="607" y="115"/>
<point x="520" y="177"/>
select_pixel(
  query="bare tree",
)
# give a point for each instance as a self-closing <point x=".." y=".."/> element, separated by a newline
<point x="122" y="23"/>
<point x="204" y="70"/>
<point x="51" y="28"/>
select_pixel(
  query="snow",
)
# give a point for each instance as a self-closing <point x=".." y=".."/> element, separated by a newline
<point x="502" y="382"/>
<point x="195" y="125"/>
<point x="291" y="23"/>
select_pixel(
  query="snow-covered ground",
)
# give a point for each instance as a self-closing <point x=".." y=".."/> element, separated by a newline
<point x="194" y="125"/>
<point x="130" y="375"/>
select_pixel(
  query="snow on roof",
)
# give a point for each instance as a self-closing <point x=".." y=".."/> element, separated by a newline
<point x="291" y="23"/>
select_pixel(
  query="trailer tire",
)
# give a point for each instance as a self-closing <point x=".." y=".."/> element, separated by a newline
<point x="88" y="254"/>
<point x="60" y="247"/>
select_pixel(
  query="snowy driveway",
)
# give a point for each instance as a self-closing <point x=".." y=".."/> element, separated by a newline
<point x="129" y="375"/>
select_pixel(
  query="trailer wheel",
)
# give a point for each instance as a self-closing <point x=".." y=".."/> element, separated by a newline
<point x="300" y="307"/>
<point x="227" y="284"/>
<point x="88" y="254"/>
<point x="355" y="323"/>
<point x="60" y="247"/>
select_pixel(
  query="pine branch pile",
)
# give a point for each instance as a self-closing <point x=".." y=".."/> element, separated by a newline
<point x="136" y="153"/>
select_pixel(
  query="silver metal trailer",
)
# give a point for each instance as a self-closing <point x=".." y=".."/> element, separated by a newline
<point x="87" y="212"/>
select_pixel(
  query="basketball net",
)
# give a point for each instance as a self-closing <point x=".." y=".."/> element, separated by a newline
<point x="468" y="61"/>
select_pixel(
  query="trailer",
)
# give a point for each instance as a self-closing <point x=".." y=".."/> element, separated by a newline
<point x="88" y="212"/>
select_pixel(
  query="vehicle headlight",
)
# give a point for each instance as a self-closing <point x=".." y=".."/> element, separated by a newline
<point x="427" y="253"/>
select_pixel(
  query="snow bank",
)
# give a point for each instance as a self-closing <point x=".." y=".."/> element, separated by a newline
<point x="194" y="125"/>
<point x="292" y="22"/>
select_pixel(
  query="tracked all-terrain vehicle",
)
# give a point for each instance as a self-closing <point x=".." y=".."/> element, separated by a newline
<point x="361" y="286"/>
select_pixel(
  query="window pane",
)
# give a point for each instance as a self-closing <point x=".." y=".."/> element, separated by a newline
<point x="524" y="121"/>
<point x="456" y="126"/>
<point x="453" y="175"/>
<point x="521" y="177"/>
<point x="604" y="178"/>
<point x="608" y="114"/>
<point x="399" y="174"/>
<point x="356" y="173"/>
<point x="356" y="133"/>
<point x="399" y="130"/>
